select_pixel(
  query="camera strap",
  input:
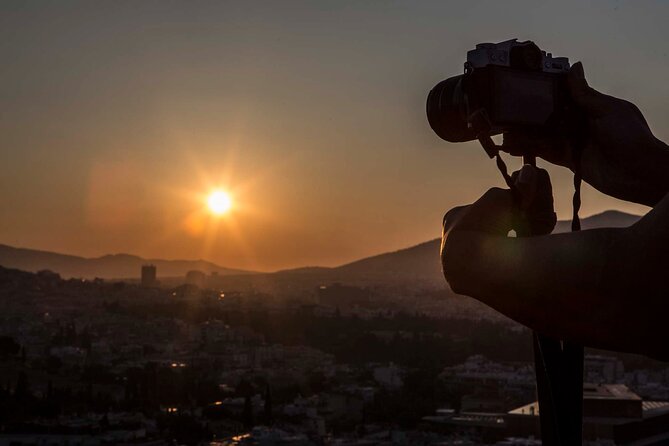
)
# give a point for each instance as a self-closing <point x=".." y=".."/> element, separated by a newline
<point x="558" y="364"/>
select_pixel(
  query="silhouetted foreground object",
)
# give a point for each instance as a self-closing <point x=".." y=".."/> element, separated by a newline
<point x="551" y="283"/>
<point x="506" y="86"/>
<point x="515" y="87"/>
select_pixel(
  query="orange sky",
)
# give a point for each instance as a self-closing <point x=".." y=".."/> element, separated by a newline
<point x="118" y="118"/>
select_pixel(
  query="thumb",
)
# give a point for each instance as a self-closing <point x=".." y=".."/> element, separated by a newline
<point x="586" y="97"/>
<point x="526" y="180"/>
<point x="536" y="201"/>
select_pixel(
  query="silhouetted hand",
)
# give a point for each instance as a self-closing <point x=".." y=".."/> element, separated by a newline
<point x="498" y="211"/>
<point x="620" y="157"/>
<point x="573" y="286"/>
<point x="534" y="200"/>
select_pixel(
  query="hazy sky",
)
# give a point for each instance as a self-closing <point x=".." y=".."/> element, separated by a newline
<point x="116" y="119"/>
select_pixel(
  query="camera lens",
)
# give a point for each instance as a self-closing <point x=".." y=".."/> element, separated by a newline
<point x="446" y="111"/>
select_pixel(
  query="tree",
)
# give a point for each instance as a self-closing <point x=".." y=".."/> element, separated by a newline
<point x="8" y="347"/>
<point x="247" y="415"/>
<point x="22" y="390"/>
<point x="268" y="405"/>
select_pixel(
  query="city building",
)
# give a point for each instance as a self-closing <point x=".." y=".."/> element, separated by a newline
<point x="149" y="275"/>
<point x="610" y="412"/>
<point x="338" y="295"/>
<point x="197" y="278"/>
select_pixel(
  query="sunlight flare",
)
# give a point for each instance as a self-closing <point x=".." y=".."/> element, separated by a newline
<point x="219" y="202"/>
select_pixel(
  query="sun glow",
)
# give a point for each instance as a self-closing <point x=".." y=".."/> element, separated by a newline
<point x="218" y="206"/>
<point x="219" y="202"/>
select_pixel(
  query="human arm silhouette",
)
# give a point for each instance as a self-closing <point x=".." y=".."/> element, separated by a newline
<point x="603" y="288"/>
<point x="621" y="157"/>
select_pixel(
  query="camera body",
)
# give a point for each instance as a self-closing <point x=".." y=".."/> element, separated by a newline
<point x="507" y="86"/>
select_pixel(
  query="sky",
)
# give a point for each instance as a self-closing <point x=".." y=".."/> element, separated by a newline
<point x="118" y="118"/>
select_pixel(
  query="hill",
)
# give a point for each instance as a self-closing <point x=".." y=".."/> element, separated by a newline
<point x="113" y="266"/>
<point x="416" y="264"/>
<point x="607" y="219"/>
<point x="420" y="263"/>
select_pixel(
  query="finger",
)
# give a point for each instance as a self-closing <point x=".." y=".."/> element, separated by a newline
<point x="583" y="95"/>
<point x="536" y="201"/>
<point x="532" y="183"/>
<point x="525" y="181"/>
<point x="541" y="212"/>
<point x="493" y="213"/>
<point x="527" y="173"/>
<point x="533" y="178"/>
<point x="543" y="187"/>
<point x="451" y="217"/>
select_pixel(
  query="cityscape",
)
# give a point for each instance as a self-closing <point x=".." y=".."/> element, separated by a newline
<point x="98" y="362"/>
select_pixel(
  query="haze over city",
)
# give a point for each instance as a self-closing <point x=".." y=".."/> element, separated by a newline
<point x="119" y="120"/>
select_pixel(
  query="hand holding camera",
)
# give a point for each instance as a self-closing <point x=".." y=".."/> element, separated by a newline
<point x="543" y="108"/>
<point x="620" y="156"/>
<point x="536" y="215"/>
<point x="530" y="213"/>
<point x="552" y="284"/>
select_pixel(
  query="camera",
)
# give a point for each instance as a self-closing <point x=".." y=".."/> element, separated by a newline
<point x="506" y="86"/>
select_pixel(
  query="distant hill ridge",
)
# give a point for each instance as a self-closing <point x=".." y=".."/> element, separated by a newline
<point x="416" y="263"/>
<point x="421" y="262"/>
<point x="110" y="266"/>
<point x="606" y="219"/>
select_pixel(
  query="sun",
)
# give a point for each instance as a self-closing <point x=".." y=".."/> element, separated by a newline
<point x="219" y="202"/>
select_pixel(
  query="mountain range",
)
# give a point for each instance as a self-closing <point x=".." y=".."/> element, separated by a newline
<point x="421" y="262"/>
<point x="112" y="266"/>
<point x="416" y="263"/>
